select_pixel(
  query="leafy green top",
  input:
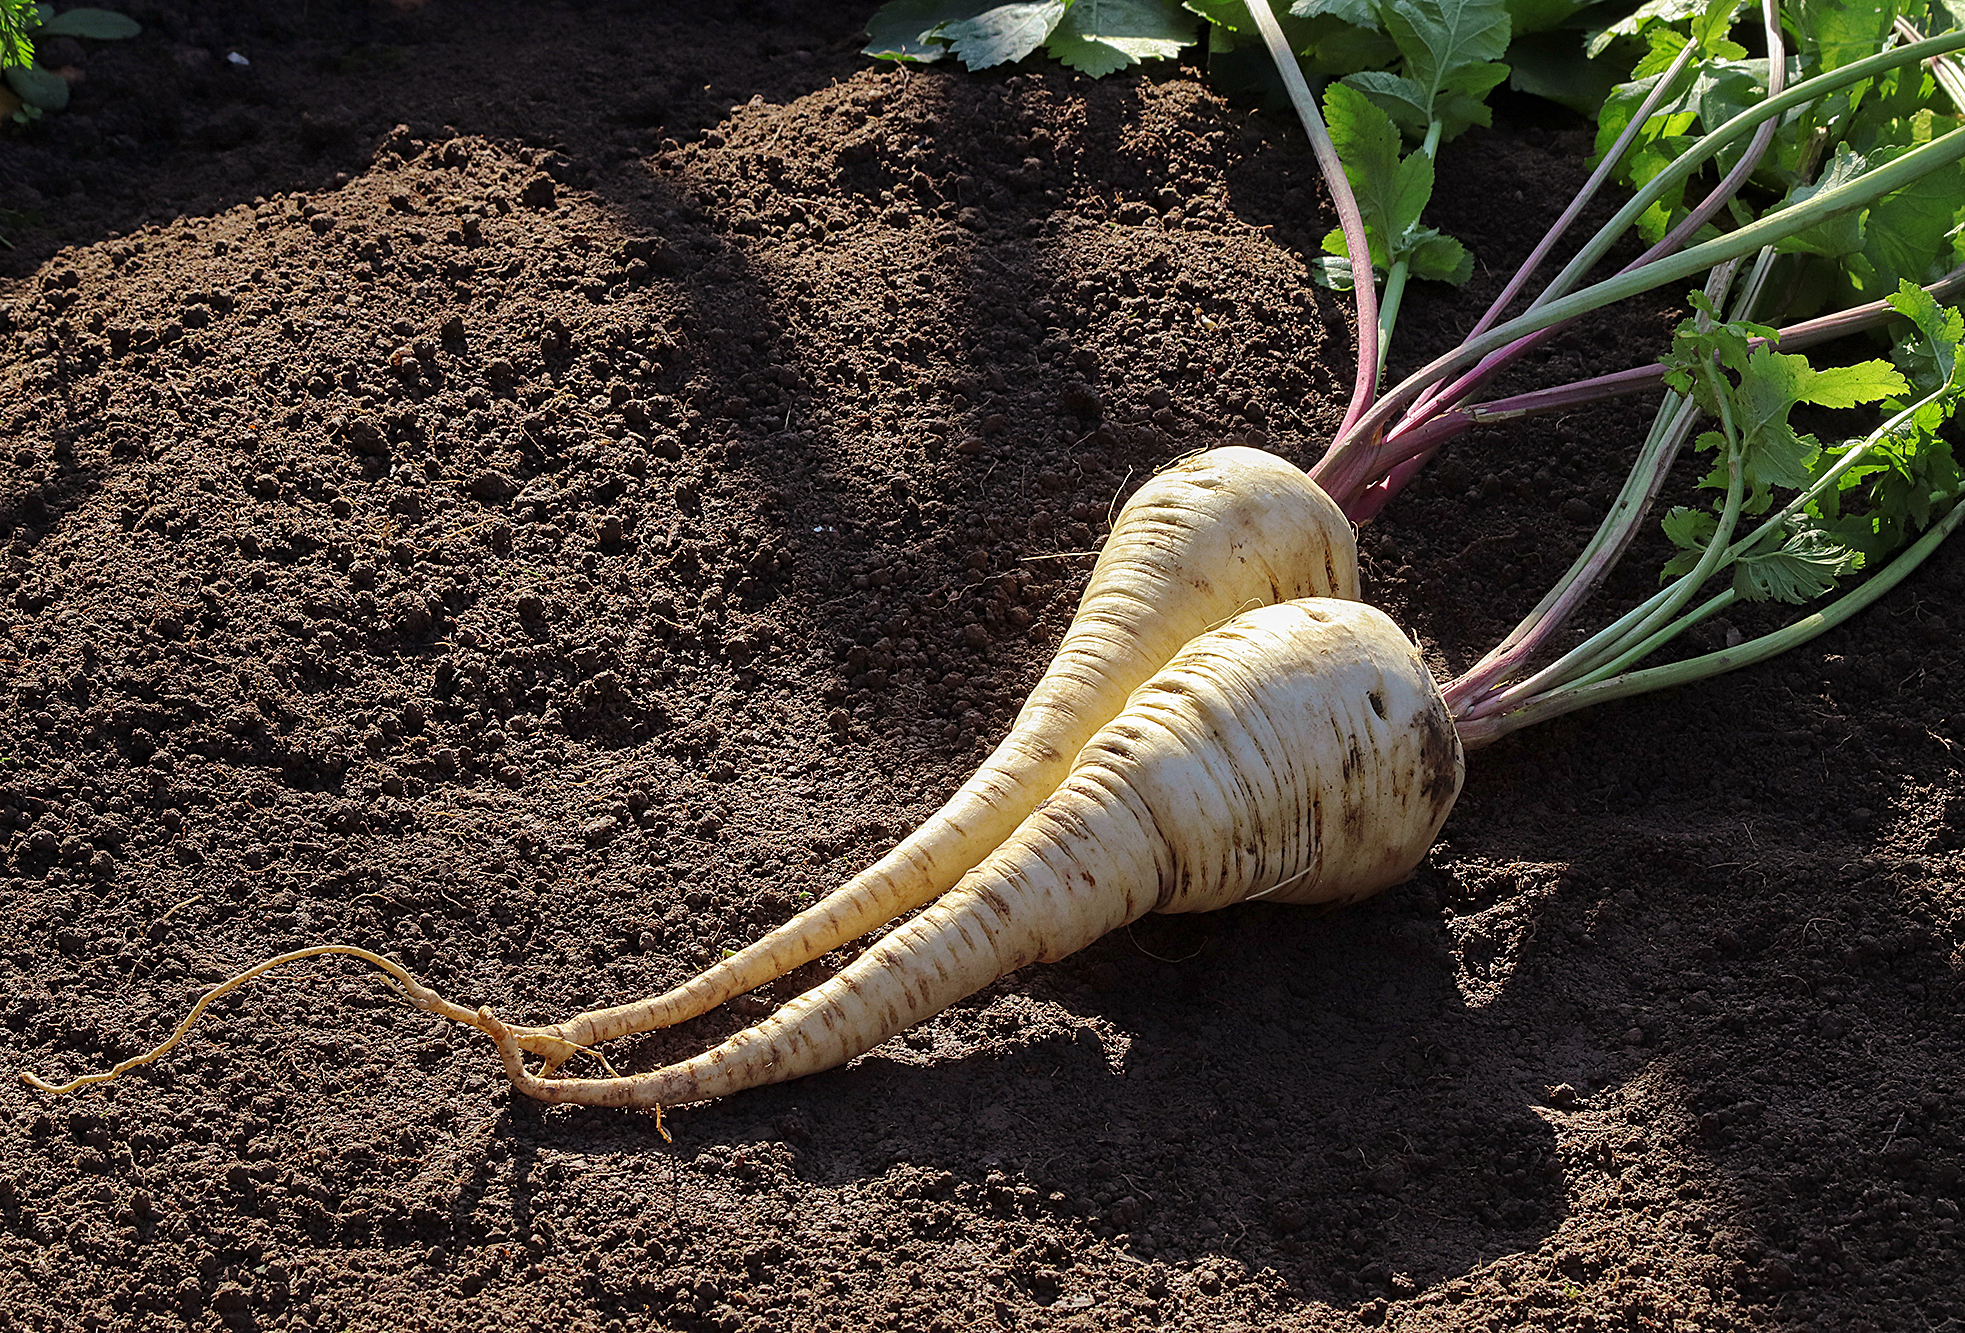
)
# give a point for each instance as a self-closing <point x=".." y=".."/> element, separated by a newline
<point x="1912" y="233"/>
<point x="1449" y="60"/>
<point x="1859" y="501"/>
<point x="1391" y="191"/>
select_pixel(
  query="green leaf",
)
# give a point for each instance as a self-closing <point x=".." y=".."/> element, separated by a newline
<point x="1326" y="45"/>
<point x="1358" y="13"/>
<point x="1914" y="356"/>
<point x="1711" y="24"/>
<point x="1235" y="17"/>
<point x="1412" y="188"/>
<point x="1905" y="478"/>
<point x="1438" y="37"/>
<point x="1462" y="101"/>
<point x="1838" y="236"/>
<point x="1724" y="88"/>
<point x="1617" y="111"/>
<point x="1896" y="109"/>
<point x="1442" y="259"/>
<point x="1527" y="16"/>
<point x="1691" y="530"/>
<point x="1392" y="193"/>
<point x="99" y="24"/>
<point x="1097" y="37"/>
<point x="909" y="29"/>
<point x="1942" y="327"/>
<point x="1908" y="233"/>
<point x="1770" y="453"/>
<point x="1003" y="34"/>
<point x="1717" y="84"/>
<point x="1553" y="65"/>
<point x="16" y="19"/>
<point x="1331" y="47"/>
<point x="1846" y="386"/>
<point x="1729" y="343"/>
<point x="1806" y="566"/>
<point x="1367" y="144"/>
<point x="1837" y="32"/>
<point x="1770" y="387"/>
<point x="1638" y="24"/>
<point x="1400" y="98"/>
<point x="1332" y="270"/>
<point x="1414" y="107"/>
<point x="1449" y="47"/>
<point x="36" y="87"/>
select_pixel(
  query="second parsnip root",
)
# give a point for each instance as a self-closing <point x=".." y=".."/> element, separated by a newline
<point x="1301" y="754"/>
<point x="1216" y="534"/>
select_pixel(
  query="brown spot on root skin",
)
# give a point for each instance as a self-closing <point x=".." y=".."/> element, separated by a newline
<point x="1439" y="758"/>
<point x="1354" y="821"/>
<point x="996" y="902"/>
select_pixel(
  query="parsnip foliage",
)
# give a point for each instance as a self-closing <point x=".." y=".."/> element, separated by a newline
<point x="1392" y="192"/>
<point x="1862" y="499"/>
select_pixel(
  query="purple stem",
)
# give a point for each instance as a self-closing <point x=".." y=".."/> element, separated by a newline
<point x="1375" y="495"/>
<point x="1522" y="646"/>
<point x="1418" y="445"/>
<point x="1607" y="165"/>
<point x="1382" y="455"/>
<point x="1673" y="239"/>
<point x="1350" y="218"/>
<point x="1423" y="442"/>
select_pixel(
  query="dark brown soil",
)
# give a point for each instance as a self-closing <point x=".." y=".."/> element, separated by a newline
<point x="552" y="538"/>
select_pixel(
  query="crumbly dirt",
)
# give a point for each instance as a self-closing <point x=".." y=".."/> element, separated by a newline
<point x="544" y="491"/>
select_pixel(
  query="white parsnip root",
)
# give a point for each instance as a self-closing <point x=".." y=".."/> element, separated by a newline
<point x="1216" y="534"/>
<point x="1301" y="753"/>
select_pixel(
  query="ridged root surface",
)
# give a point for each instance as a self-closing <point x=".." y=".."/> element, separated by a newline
<point x="1300" y="753"/>
<point x="1212" y="536"/>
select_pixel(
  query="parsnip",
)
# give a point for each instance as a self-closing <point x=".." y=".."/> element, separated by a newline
<point x="1213" y="535"/>
<point x="1300" y="753"/>
<point x="1295" y="751"/>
